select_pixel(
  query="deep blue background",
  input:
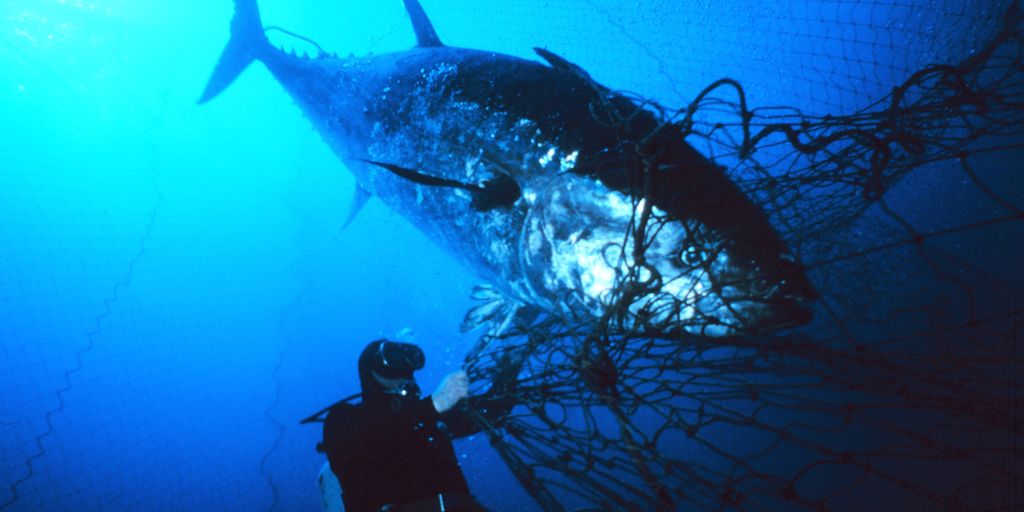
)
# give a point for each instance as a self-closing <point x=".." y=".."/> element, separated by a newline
<point x="176" y="291"/>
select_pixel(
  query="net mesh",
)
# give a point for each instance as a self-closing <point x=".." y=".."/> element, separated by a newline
<point x="896" y="180"/>
<point x="904" y="391"/>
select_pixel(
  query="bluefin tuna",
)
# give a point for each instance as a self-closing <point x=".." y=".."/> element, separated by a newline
<point x="563" y="194"/>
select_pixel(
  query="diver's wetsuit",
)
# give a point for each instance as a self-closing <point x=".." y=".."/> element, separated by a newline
<point x="397" y="451"/>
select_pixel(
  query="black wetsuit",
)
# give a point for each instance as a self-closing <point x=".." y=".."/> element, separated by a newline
<point x="396" y="451"/>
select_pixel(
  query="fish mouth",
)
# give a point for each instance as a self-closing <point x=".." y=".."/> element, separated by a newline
<point x="758" y="316"/>
<point x="715" y="317"/>
<point x="727" y="298"/>
<point x="768" y="297"/>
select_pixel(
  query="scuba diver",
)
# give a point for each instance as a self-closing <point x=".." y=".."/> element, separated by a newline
<point x="392" y="452"/>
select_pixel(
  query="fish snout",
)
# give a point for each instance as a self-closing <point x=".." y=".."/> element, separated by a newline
<point x="765" y="296"/>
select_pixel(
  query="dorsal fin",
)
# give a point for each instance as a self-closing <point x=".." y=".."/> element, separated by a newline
<point x="425" y="35"/>
<point x="559" y="62"/>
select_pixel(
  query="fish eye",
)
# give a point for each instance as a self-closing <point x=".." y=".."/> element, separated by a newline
<point x="692" y="256"/>
<point x="762" y="288"/>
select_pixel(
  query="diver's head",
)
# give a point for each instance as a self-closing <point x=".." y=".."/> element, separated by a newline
<point x="386" y="369"/>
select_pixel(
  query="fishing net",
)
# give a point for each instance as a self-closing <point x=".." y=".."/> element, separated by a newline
<point x="882" y="139"/>
<point x="904" y="392"/>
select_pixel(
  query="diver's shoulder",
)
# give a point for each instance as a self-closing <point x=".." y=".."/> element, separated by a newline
<point x="344" y="410"/>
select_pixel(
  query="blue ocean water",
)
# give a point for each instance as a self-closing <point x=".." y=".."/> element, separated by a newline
<point x="176" y="288"/>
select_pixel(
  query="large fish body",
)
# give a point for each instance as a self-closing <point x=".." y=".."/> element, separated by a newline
<point x="534" y="176"/>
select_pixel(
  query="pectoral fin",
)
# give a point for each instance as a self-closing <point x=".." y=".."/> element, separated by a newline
<point x="419" y="177"/>
<point x="499" y="191"/>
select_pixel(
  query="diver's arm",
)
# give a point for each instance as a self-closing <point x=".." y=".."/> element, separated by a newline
<point x="460" y="421"/>
<point x="453" y="388"/>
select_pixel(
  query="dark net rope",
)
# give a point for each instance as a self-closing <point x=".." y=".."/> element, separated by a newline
<point x="902" y="391"/>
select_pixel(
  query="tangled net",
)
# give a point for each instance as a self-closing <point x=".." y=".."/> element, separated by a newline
<point x="903" y="393"/>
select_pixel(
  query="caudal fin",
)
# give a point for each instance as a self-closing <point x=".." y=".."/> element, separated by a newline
<point x="246" y="44"/>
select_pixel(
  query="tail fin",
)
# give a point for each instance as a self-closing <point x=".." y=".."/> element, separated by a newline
<point x="246" y="44"/>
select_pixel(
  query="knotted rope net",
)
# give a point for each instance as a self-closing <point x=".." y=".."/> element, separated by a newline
<point x="903" y="392"/>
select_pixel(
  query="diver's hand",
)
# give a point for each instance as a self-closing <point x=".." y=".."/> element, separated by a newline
<point x="453" y="387"/>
